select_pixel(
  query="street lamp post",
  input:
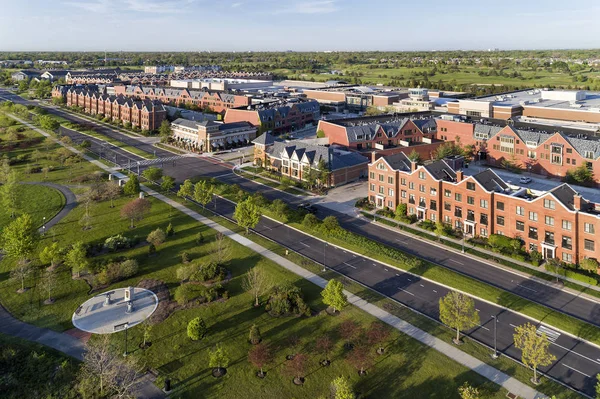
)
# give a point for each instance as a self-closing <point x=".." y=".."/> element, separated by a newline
<point x="495" y="354"/>
<point x="463" y="242"/>
<point x="126" y="328"/>
<point x="44" y="226"/>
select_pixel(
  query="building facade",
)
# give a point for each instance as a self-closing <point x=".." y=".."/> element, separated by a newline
<point x="209" y="136"/>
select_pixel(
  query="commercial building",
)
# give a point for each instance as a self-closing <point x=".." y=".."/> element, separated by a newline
<point x="209" y="136"/>
<point x="25" y="75"/>
<point x="296" y="160"/>
<point x="355" y="98"/>
<point x="558" y="223"/>
<point x="279" y="117"/>
<point x="144" y="114"/>
<point x="159" y="69"/>
<point x="54" y="75"/>
<point x="222" y="84"/>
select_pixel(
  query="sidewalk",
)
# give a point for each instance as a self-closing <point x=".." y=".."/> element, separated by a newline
<point x="504" y="380"/>
<point x="235" y="167"/>
<point x="487" y="371"/>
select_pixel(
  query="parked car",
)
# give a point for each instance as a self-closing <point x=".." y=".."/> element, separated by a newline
<point x="525" y="180"/>
<point x="306" y="206"/>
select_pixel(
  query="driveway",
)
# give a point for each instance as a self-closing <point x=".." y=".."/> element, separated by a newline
<point x="343" y="198"/>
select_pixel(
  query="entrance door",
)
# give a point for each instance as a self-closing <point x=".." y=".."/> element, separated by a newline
<point x="469" y="229"/>
<point x="380" y="202"/>
<point x="420" y="215"/>
<point x="548" y="253"/>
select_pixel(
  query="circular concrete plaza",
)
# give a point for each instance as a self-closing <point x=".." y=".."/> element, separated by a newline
<point x="98" y="315"/>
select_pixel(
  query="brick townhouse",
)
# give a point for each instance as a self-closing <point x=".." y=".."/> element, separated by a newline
<point x="549" y="154"/>
<point x="558" y="223"/>
<point x="216" y="101"/>
<point x="277" y="118"/>
<point x="145" y="114"/>
<point x="294" y="159"/>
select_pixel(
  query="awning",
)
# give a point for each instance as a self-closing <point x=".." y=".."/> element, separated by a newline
<point x="215" y="145"/>
<point x="229" y="140"/>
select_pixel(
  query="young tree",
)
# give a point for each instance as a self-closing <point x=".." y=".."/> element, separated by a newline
<point x="414" y="156"/>
<point x="156" y="237"/>
<point x="457" y="310"/>
<point x="49" y="284"/>
<point x="221" y="249"/>
<point x="348" y="330"/>
<point x="361" y="358"/>
<point x="254" y="336"/>
<point x="4" y="169"/>
<point x="165" y="130"/>
<point x="377" y="333"/>
<point x="440" y="229"/>
<point x="99" y="363"/>
<point x="19" y="238"/>
<point x="20" y="272"/>
<point x="247" y="214"/>
<point x="296" y="367"/>
<point x="167" y="183"/>
<point x="9" y="194"/>
<point x="324" y="173"/>
<point x="87" y="200"/>
<point x="153" y="174"/>
<point x="76" y="258"/>
<point x="218" y="358"/>
<point x="196" y="329"/>
<point x="186" y="190"/>
<point x="147" y="333"/>
<point x="333" y="295"/>
<point x="136" y="210"/>
<point x="341" y="389"/>
<point x="589" y="264"/>
<point x="260" y="355"/>
<point x="51" y="254"/>
<point x="113" y="191"/>
<point x="170" y="230"/>
<point x="324" y="345"/>
<point x="534" y="348"/>
<point x="203" y="192"/>
<point x="132" y="186"/>
<point x="468" y="392"/>
<point x="256" y="283"/>
<point x="401" y="210"/>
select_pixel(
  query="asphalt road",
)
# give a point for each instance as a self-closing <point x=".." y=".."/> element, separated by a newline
<point x="577" y="363"/>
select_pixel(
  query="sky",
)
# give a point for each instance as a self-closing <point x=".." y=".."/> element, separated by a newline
<point x="299" y="25"/>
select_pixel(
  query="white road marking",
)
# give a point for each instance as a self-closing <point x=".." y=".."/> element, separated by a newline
<point x="346" y="263"/>
<point x="386" y="270"/>
<point x="550" y="334"/>
<point x="477" y="310"/>
<point x="455" y="261"/>
<point x="512" y="325"/>
<point x="226" y="174"/>
<point x="303" y="243"/>
<point x="522" y="286"/>
<point x="402" y="241"/>
<point x="374" y="264"/>
<point x="409" y="279"/>
<point x="408" y="292"/>
<point x="485" y="328"/>
<point x="577" y="371"/>
<point x="345" y="252"/>
<point x="435" y="291"/>
<point x="422" y="285"/>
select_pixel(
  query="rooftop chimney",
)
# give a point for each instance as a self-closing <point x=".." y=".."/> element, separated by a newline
<point x="413" y="166"/>
<point x="577" y="202"/>
<point x="459" y="175"/>
<point x="373" y="156"/>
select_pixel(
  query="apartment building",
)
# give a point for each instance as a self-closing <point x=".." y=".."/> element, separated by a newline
<point x="296" y="159"/>
<point x="208" y="136"/>
<point x="558" y="223"/>
<point x="279" y="117"/>
<point x="145" y="114"/>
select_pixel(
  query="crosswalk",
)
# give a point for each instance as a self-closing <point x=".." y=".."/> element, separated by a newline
<point x="148" y="162"/>
<point x="550" y="334"/>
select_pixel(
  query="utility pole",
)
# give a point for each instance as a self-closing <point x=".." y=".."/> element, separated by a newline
<point x="495" y="354"/>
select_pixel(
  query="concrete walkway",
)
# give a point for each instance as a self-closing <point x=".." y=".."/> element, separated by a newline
<point x="70" y="202"/>
<point x="509" y="383"/>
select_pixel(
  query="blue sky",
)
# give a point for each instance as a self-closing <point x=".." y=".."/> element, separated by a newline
<point x="238" y="25"/>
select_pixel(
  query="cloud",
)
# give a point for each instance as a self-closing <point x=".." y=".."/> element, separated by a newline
<point x="310" y="7"/>
<point x="236" y="5"/>
<point x="99" y="6"/>
<point x="142" y="6"/>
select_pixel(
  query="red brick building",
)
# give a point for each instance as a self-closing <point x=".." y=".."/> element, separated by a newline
<point x="558" y="223"/>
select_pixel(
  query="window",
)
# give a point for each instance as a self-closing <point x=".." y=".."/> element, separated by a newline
<point x="470" y="200"/>
<point x="372" y="188"/>
<point x="422" y="188"/>
<point x="371" y="175"/>
<point x="566" y="225"/>
<point x="549" y="220"/>
<point x="520" y="211"/>
<point x="458" y="197"/>
<point x="411" y="185"/>
<point x="447" y="219"/>
<point x="433" y="205"/>
<point x="432" y="191"/>
<point x="381" y="177"/>
<point x="381" y="190"/>
<point x="500" y="220"/>
<point x="447" y="193"/>
<point x="470" y="186"/>
<point x="483" y="219"/>
<point x="588" y="228"/>
<point x="533" y="216"/>
<point x="483" y="204"/>
<point x="403" y="193"/>
<point x="499" y="205"/>
<point x="470" y="215"/>
<point x="391" y="192"/>
<point x="483" y="232"/>
<point x="421" y="175"/>
<point x="549" y="237"/>
<point x="520" y="226"/>
<point x="411" y="199"/>
<point x="549" y="204"/>
<point x="390" y="204"/>
<point x="447" y="206"/>
<point x="507" y="144"/>
<point x="567" y="257"/>
<point x="381" y="166"/>
<point x="533" y="233"/>
<point x="589" y="245"/>
<point x="567" y="243"/>
<point x="390" y="180"/>
<point x="458" y="211"/>
<point x="532" y="247"/>
<point x="403" y="181"/>
<point x="432" y="217"/>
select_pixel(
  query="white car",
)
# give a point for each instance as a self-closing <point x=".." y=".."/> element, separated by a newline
<point x="525" y="180"/>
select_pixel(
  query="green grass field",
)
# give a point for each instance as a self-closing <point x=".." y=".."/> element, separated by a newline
<point x="37" y="201"/>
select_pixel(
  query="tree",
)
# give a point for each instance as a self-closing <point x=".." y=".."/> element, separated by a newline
<point x="534" y="348"/>
<point x="196" y="329"/>
<point x="170" y="230"/>
<point x="51" y="254"/>
<point x="254" y="336"/>
<point x="165" y="129"/>
<point x="414" y="156"/>
<point x="19" y="238"/>
<point x="320" y="134"/>
<point x="217" y="358"/>
<point x="221" y="249"/>
<point x="589" y="264"/>
<point x="147" y="333"/>
<point x="47" y="122"/>
<point x="331" y="224"/>
<point x="49" y="283"/>
<point x="260" y="355"/>
<point x="457" y="310"/>
<point x="580" y="175"/>
<point x="136" y="210"/>
<point x="87" y="200"/>
<point x="598" y="386"/>
<point x="333" y="295"/>
<point x="348" y="330"/>
<point x="167" y="183"/>
<point x="468" y="392"/>
<point x="553" y="265"/>
<point x="132" y="186"/>
<point x="447" y="149"/>
<point x="324" y="173"/>
<point x="324" y="345"/>
<point x="341" y="389"/>
<point x="153" y="174"/>
<point x="186" y="190"/>
<point x="280" y="208"/>
<point x="440" y="230"/>
<point x="113" y="191"/>
<point x="296" y="367"/>
<point x="401" y="210"/>
<point x="203" y="192"/>
<point x="377" y="333"/>
<point x="9" y="194"/>
<point x="4" y="169"/>
<point x="247" y="214"/>
<point x="361" y="358"/>
<point x="20" y="272"/>
<point x="256" y="283"/>
<point x="76" y="258"/>
<point x="156" y="237"/>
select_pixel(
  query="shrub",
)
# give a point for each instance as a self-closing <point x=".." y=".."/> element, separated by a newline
<point x="199" y="238"/>
<point x="589" y="264"/>
<point x="170" y="230"/>
<point x="209" y="271"/>
<point x="185" y="272"/>
<point x="129" y="268"/>
<point x="185" y="257"/>
<point x="536" y="258"/>
<point x="117" y="271"/>
<point x="287" y="300"/>
<point x="156" y="237"/>
<point x="196" y="329"/>
<point x="151" y="249"/>
<point x="310" y="221"/>
<point x="185" y="293"/>
<point x="117" y="242"/>
<point x="255" y="336"/>
<point x="330" y="224"/>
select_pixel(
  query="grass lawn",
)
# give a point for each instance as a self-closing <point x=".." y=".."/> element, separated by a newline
<point x="29" y="369"/>
<point x="37" y="201"/>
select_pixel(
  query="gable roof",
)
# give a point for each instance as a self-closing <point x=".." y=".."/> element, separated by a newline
<point x="398" y="161"/>
<point x="490" y="181"/>
<point x="440" y="170"/>
<point x="264" y="139"/>
<point x="315" y="153"/>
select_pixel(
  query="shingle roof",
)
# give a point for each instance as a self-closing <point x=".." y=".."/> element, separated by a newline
<point x="333" y="159"/>
<point x="440" y="170"/>
<point x="264" y="139"/>
<point x="564" y="193"/>
<point x="490" y="180"/>
<point x="398" y="161"/>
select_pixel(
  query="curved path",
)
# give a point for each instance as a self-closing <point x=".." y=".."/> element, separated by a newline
<point x="70" y="202"/>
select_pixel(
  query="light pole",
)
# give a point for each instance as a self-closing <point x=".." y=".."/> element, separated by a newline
<point x="463" y="242"/>
<point x="126" y="327"/>
<point x="495" y="354"/>
<point x="44" y="226"/>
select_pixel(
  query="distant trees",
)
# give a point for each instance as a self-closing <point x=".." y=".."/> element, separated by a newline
<point x="457" y="310"/>
<point x="136" y="210"/>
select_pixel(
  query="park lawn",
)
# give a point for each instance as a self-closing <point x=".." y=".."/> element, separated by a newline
<point x="27" y="368"/>
<point x="37" y="201"/>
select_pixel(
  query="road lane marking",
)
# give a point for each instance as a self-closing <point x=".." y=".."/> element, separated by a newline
<point x="485" y="328"/>
<point x="386" y="270"/>
<point x="455" y="261"/>
<point x="408" y="292"/>
<point x="550" y="334"/>
<point x="512" y="325"/>
<point x="477" y="310"/>
<point x="435" y="291"/>
<point x="346" y="263"/>
<point x="226" y="174"/>
<point x="422" y="285"/>
<point x="574" y="369"/>
<point x="303" y="243"/>
<point x="374" y="264"/>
